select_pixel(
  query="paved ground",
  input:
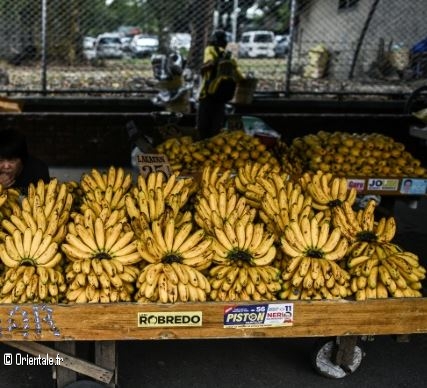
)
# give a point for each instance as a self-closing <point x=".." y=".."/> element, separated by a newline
<point x="235" y="363"/>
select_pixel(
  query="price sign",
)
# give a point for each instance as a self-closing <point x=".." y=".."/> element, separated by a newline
<point x="148" y="163"/>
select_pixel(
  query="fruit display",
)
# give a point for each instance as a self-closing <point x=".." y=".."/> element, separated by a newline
<point x="228" y="149"/>
<point x="349" y="154"/>
<point x="251" y="233"/>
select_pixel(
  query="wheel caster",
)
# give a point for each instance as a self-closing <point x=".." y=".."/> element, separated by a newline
<point x="328" y="363"/>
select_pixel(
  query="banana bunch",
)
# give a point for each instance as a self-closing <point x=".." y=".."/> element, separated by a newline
<point x="105" y="190"/>
<point x="360" y="226"/>
<point x="9" y="204"/>
<point x="47" y="207"/>
<point x="169" y="243"/>
<point x="100" y="280"/>
<point x="243" y="242"/>
<point x="247" y="181"/>
<point x="282" y="201"/>
<point x="241" y="281"/>
<point x="29" y="284"/>
<point x="387" y="272"/>
<point x="217" y="201"/>
<point x="327" y="191"/>
<point x="218" y="208"/>
<point x="155" y="198"/>
<point x="33" y="237"/>
<point x="28" y="249"/>
<point x="311" y="270"/>
<point x="171" y="282"/>
<point x="103" y="237"/>
<point x="213" y="178"/>
<point x="290" y="164"/>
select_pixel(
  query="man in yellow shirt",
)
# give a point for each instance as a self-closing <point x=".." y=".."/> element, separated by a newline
<point x="211" y="111"/>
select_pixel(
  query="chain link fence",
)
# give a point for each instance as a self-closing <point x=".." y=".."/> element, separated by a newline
<point x="98" y="47"/>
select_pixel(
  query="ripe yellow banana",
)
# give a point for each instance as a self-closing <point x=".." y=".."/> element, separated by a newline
<point x="99" y="234"/>
<point x="78" y="243"/>
<point x="267" y="258"/>
<point x="196" y="250"/>
<point x="304" y="266"/>
<point x="131" y="258"/>
<point x="267" y="241"/>
<point x="72" y="252"/>
<point x="257" y="237"/>
<point x="112" y="236"/>
<point x="181" y="273"/>
<point x="333" y="239"/>
<point x="305" y="228"/>
<point x="389" y="230"/>
<point x="126" y="250"/>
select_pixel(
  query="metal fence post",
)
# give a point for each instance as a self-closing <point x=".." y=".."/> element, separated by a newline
<point x="290" y="48"/>
<point x="44" y="47"/>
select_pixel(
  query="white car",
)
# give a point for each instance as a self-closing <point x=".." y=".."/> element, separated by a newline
<point x="180" y="40"/>
<point x="144" y="45"/>
<point x="89" y="47"/>
<point x="108" y="46"/>
<point x="254" y="44"/>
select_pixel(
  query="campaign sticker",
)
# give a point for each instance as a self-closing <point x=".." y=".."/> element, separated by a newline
<point x="170" y="319"/>
<point x="413" y="186"/>
<point x="358" y="184"/>
<point x="376" y="184"/>
<point x="260" y="315"/>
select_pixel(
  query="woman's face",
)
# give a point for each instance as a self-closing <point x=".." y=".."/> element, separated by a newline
<point x="9" y="170"/>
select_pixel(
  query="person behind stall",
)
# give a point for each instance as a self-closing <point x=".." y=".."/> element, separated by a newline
<point x="211" y="112"/>
<point x="17" y="167"/>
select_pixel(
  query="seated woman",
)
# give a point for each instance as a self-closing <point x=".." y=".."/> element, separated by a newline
<point x="17" y="168"/>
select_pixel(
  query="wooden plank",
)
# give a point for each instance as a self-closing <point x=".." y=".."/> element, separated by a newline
<point x="119" y="321"/>
<point x="67" y="361"/>
<point x="62" y="375"/>
<point x="107" y="357"/>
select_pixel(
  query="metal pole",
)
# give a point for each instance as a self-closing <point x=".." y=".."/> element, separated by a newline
<point x="234" y="20"/>
<point x="44" y="49"/>
<point x="362" y="37"/>
<point x="291" y="44"/>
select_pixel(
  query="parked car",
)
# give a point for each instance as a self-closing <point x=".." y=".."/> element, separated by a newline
<point x="126" y="43"/>
<point x="108" y="46"/>
<point x="254" y="44"/>
<point x="180" y="40"/>
<point x="144" y="45"/>
<point x="89" y="47"/>
<point x="282" y="46"/>
<point x="89" y="42"/>
<point x="129" y="31"/>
